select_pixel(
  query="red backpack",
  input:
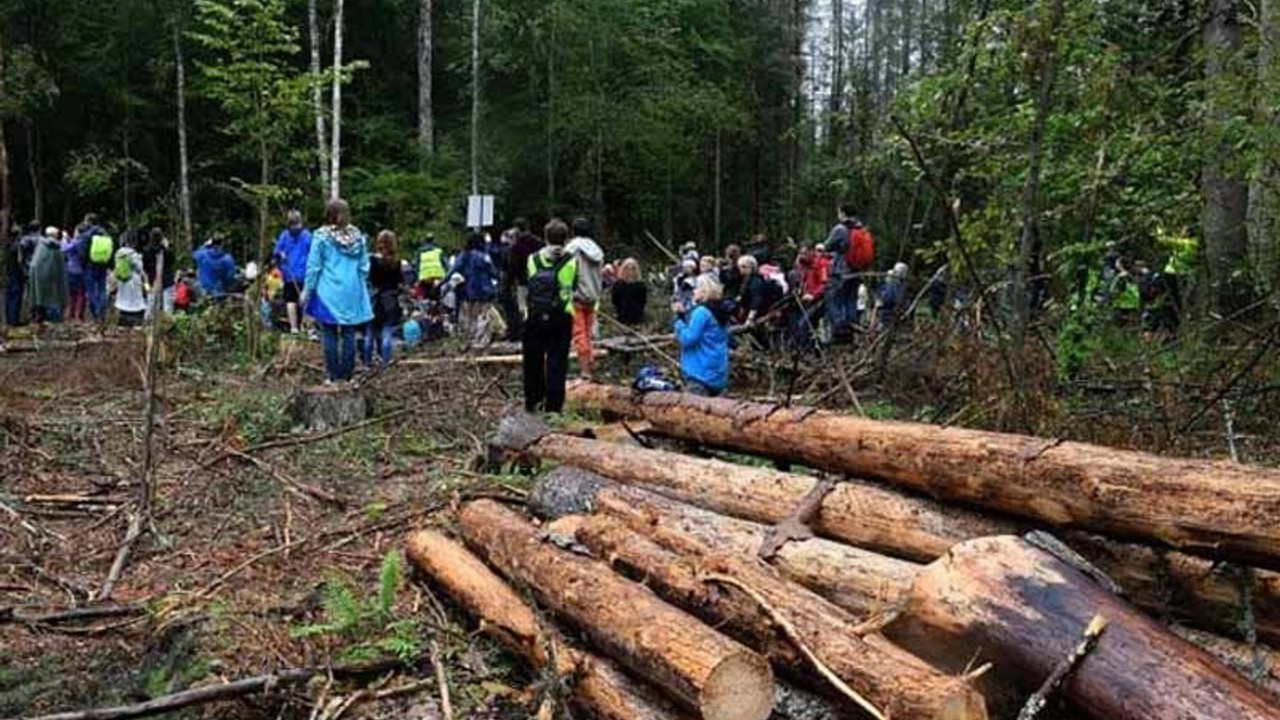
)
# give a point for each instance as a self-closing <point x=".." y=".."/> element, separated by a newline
<point x="861" y="255"/>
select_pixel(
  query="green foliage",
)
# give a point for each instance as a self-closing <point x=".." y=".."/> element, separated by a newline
<point x="256" y="414"/>
<point x="367" y="628"/>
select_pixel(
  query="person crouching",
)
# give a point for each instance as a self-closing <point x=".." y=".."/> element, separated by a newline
<point x="704" y="339"/>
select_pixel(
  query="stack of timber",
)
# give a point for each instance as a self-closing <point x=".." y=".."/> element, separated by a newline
<point x="930" y="573"/>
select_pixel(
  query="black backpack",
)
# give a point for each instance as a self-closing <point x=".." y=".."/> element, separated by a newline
<point x="545" y="299"/>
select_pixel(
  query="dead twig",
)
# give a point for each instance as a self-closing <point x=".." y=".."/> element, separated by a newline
<point x="794" y="636"/>
<point x="307" y="439"/>
<point x="1040" y="698"/>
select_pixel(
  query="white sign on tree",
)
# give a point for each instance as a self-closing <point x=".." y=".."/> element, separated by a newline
<point x="480" y="211"/>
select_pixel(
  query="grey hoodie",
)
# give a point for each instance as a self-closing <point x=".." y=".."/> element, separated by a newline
<point x="590" y="286"/>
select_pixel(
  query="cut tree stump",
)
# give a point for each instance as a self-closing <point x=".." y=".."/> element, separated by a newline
<point x="894" y="682"/>
<point x="324" y="408"/>
<point x="599" y="685"/>
<point x="1025" y="608"/>
<point x="1190" y="589"/>
<point x="700" y="668"/>
<point x="1224" y="509"/>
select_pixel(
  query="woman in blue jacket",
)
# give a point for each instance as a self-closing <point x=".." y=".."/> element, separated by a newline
<point x="336" y="293"/>
<point x="704" y="341"/>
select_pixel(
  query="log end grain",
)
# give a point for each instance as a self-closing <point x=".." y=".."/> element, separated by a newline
<point x="740" y="688"/>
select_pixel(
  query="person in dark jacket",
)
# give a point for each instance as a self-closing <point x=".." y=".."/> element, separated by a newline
<point x="476" y="279"/>
<point x="292" y="249"/>
<point x="158" y="246"/>
<point x="525" y="246"/>
<point x="630" y="294"/>
<point x="17" y="259"/>
<point x="385" y="282"/>
<point x="549" y="331"/>
<point x="95" y="273"/>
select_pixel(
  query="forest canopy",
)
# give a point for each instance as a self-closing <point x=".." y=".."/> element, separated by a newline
<point x="991" y="136"/>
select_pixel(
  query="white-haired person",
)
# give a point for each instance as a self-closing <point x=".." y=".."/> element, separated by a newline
<point x="702" y="331"/>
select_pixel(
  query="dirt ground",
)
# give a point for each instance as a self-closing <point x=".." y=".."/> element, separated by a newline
<point x="269" y="546"/>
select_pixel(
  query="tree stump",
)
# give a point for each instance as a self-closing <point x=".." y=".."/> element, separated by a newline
<point x="329" y="407"/>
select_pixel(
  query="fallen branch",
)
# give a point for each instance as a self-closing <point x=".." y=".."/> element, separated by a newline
<point x="307" y="439"/>
<point x="794" y="636"/>
<point x="1040" y="698"/>
<point x="215" y="693"/>
<point x="797" y="525"/>
<point x="292" y="484"/>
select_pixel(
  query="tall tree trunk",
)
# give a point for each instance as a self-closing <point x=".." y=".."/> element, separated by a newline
<point x="264" y="157"/>
<point x="335" y="151"/>
<point x="426" y="105"/>
<point x="1226" y="196"/>
<point x="33" y="171"/>
<point x="187" y="239"/>
<point x="837" y="61"/>
<point x="475" y="97"/>
<point x="1264" y="192"/>
<point x="6" y="182"/>
<point x="719" y="186"/>
<point x="1026" y="259"/>
<point x="551" y="110"/>
<point x="317" y="94"/>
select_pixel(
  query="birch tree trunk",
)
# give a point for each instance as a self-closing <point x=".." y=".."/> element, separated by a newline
<point x="1226" y="196"/>
<point x="335" y="151"/>
<point x="475" y="97"/>
<point x="317" y="95"/>
<point x="187" y="239"/>
<point x="426" y="57"/>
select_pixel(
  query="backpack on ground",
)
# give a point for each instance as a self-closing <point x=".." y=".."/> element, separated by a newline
<point x="124" y="267"/>
<point x="861" y="255"/>
<point x="101" y="248"/>
<point x="544" y="287"/>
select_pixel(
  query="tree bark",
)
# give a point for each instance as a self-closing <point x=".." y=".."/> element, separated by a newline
<point x="1226" y="195"/>
<point x="6" y="180"/>
<point x="858" y="581"/>
<point x="1264" y="191"/>
<point x="893" y="681"/>
<point x="1030" y="193"/>
<point x="700" y="668"/>
<point x="187" y="239"/>
<point x="475" y="97"/>
<point x="1191" y="589"/>
<point x="335" y="147"/>
<point x="504" y="616"/>
<point x="317" y="94"/>
<point x="1026" y="609"/>
<point x="33" y="172"/>
<point x="426" y="69"/>
<point x="1221" y="508"/>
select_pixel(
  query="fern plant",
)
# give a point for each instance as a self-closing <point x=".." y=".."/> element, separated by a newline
<point x="368" y="626"/>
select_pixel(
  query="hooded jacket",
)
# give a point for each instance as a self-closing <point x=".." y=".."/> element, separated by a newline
<point x="337" y="275"/>
<point x="48" y="275"/>
<point x="589" y="287"/>
<point x="216" y="270"/>
<point x="292" y="251"/>
<point x="131" y="296"/>
<point x="479" y="276"/>
<point x="704" y="347"/>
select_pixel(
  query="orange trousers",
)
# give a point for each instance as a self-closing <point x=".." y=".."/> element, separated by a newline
<point x="584" y="322"/>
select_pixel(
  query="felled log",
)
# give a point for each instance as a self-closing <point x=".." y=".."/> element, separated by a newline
<point x="893" y="682"/>
<point x="894" y="523"/>
<point x="857" y="580"/>
<point x="1026" y="609"/>
<point x="699" y="667"/>
<point x="1216" y="507"/>
<point x="603" y="688"/>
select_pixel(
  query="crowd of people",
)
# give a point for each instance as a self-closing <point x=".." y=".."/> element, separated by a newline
<point x="358" y="297"/>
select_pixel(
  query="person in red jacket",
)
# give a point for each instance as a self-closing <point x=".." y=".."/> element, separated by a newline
<point x="814" y="270"/>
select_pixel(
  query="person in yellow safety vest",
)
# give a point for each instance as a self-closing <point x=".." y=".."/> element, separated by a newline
<point x="431" y="269"/>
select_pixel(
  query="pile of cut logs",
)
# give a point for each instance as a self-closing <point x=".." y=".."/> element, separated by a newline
<point x="909" y="572"/>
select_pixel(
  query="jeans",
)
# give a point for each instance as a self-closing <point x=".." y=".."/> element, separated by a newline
<point x="381" y="337"/>
<point x="339" y="343"/>
<point x="95" y="286"/>
<point x="842" y="306"/>
<point x="546" y="361"/>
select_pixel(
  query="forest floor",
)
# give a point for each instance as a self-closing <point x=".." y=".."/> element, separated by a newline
<point x="271" y="545"/>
